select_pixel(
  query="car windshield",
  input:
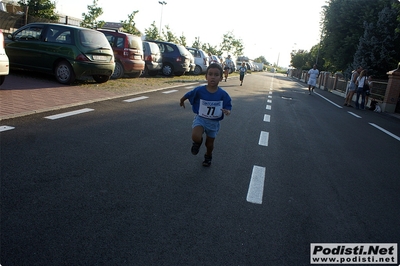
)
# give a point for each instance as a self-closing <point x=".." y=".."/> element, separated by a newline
<point x="93" y="39"/>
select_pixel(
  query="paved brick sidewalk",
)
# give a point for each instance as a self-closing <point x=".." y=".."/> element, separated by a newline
<point x="21" y="96"/>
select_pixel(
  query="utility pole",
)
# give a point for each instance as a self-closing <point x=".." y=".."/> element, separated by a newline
<point x="162" y="3"/>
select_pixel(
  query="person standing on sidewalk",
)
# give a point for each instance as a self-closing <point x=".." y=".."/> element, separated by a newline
<point x="313" y="74"/>
<point x="352" y="87"/>
<point x="360" y="89"/>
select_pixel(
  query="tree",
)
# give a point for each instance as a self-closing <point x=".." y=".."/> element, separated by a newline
<point x="152" y="32"/>
<point x="89" y="20"/>
<point x="208" y="48"/>
<point x="376" y="48"/>
<point x="342" y="29"/>
<point x="182" y="40"/>
<point x="261" y="59"/>
<point x="169" y="36"/>
<point x="129" y="25"/>
<point x="40" y="8"/>
<point x="196" y="44"/>
<point x="232" y="45"/>
<point x="299" y="59"/>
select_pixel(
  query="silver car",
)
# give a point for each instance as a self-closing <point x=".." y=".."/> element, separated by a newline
<point x="200" y="59"/>
<point x="4" y="63"/>
<point x="152" y="58"/>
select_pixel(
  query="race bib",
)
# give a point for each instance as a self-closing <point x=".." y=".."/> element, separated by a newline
<point x="210" y="109"/>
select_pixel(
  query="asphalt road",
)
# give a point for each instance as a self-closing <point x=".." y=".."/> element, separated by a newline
<point x="117" y="184"/>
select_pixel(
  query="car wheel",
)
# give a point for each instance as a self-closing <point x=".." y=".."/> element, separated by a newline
<point x="167" y="70"/>
<point x="101" y="78"/>
<point x="197" y="70"/>
<point x="118" y="71"/>
<point x="64" y="72"/>
<point x="2" y="78"/>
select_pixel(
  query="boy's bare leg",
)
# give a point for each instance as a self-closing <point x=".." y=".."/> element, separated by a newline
<point x="197" y="134"/>
<point x="209" y="145"/>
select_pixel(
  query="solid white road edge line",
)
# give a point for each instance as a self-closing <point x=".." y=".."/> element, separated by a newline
<point x="264" y="136"/>
<point x="256" y="186"/>
<point x="384" y="130"/>
<point x="62" y="115"/>
<point x="136" y="99"/>
<point x="5" y="128"/>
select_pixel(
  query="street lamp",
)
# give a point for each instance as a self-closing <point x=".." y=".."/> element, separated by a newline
<point x="162" y="3"/>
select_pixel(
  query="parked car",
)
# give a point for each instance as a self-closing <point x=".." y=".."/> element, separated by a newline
<point x="216" y="59"/>
<point x="192" y="63"/>
<point x="176" y="58"/>
<point x="128" y="53"/>
<point x="200" y="59"/>
<point x="68" y="52"/>
<point x="4" y="63"/>
<point x="152" y="58"/>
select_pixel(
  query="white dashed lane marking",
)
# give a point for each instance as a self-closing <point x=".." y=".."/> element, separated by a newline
<point x="264" y="136"/>
<point x="62" y="115"/>
<point x="353" y="114"/>
<point x="5" y="128"/>
<point x="326" y="99"/>
<point x="267" y="118"/>
<point x="385" y="131"/>
<point x="136" y="99"/>
<point x="256" y="187"/>
<point x="171" y="91"/>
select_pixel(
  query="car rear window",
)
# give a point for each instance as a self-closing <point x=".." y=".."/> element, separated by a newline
<point x="58" y="34"/>
<point x="182" y="50"/>
<point x="134" y="42"/>
<point x="154" y="48"/>
<point x="93" y="39"/>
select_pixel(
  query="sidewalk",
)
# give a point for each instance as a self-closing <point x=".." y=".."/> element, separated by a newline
<point x="342" y="95"/>
<point x="34" y="96"/>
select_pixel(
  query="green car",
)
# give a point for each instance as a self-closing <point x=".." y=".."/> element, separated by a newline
<point x="68" y="52"/>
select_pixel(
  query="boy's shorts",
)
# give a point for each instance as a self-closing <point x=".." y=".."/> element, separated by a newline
<point x="210" y="126"/>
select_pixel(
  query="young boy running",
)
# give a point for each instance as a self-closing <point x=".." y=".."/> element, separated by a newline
<point x="210" y="103"/>
<point x="242" y="71"/>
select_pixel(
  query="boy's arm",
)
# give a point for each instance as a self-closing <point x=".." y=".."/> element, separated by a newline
<point x="182" y="101"/>
<point x="227" y="105"/>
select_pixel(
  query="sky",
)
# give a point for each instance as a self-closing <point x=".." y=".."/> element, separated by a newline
<point x="267" y="28"/>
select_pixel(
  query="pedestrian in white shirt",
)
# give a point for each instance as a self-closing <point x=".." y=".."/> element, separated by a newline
<point x="313" y="74"/>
